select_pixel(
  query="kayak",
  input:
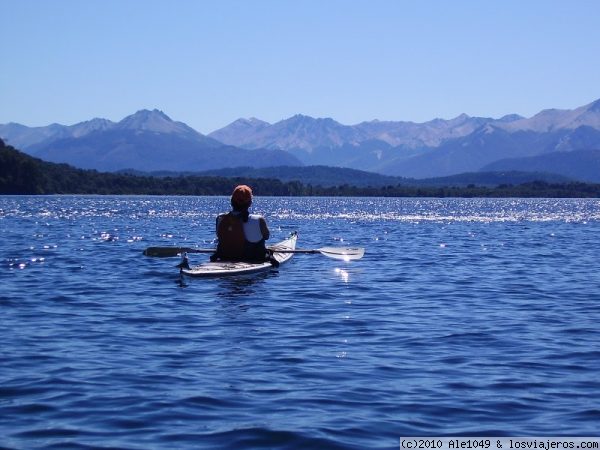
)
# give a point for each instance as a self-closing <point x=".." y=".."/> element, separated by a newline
<point x="232" y="268"/>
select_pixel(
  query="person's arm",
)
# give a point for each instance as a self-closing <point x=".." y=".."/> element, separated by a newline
<point x="264" y="229"/>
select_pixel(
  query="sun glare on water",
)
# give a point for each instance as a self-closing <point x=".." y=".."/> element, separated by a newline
<point x="343" y="274"/>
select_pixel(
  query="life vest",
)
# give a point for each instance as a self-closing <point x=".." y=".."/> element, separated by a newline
<point x="239" y="240"/>
<point x="232" y="241"/>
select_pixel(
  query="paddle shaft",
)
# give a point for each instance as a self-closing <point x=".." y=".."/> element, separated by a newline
<point x="332" y="252"/>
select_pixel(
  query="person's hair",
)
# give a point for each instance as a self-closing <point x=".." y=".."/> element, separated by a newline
<point x="241" y="199"/>
<point x="242" y="209"/>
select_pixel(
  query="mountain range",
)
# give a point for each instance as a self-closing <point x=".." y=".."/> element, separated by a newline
<point x="431" y="149"/>
<point x="565" y="142"/>
<point x="145" y="141"/>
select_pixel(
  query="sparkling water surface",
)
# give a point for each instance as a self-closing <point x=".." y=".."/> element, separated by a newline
<point x="465" y="317"/>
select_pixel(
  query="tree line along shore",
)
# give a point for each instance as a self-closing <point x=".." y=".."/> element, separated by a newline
<point x="21" y="174"/>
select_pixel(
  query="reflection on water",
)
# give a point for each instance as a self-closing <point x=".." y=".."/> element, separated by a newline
<point x="344" y="275"/>
<point x="240" y="286"/>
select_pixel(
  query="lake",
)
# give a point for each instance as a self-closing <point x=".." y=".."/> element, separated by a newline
<point x="471" y="317"/>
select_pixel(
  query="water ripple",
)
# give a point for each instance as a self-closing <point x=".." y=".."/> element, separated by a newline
<point x="466" y="316"/>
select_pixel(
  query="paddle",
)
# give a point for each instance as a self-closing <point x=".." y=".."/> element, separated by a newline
<point x="345" y="253"/>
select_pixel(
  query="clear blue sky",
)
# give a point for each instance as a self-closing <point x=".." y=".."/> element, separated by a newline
<point x="207" y="63"/>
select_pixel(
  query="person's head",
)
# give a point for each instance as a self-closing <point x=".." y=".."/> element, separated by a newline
<point x="241" y="198"/>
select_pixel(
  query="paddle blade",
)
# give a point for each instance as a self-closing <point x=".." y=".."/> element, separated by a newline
<point x="163" y="252"/>
<point x="343" y="253"/>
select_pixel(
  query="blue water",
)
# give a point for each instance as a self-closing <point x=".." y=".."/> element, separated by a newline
<point x="465" y="317"/>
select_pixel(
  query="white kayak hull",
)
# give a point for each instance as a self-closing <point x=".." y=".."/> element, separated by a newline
<point x="236" y="268"/>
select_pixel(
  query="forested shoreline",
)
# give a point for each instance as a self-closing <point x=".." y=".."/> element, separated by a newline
<point x="21" y="174"/>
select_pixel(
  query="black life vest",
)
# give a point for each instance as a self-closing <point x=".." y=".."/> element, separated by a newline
<point x="232" y="241"/>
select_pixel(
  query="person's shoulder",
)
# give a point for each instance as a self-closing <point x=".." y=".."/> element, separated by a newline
<point x="225" y="216"/>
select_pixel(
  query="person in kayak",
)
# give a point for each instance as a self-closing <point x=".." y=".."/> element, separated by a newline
<point x="241" y="235"/>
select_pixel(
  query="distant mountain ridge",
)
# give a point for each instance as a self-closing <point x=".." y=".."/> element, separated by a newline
<point x="24" y="137"/>
<point x="306" y="133"/>
<point x="146" y="140"/>
<point x="555" y="119"/>
<point x="150" y="141"/>
<point x="489" y="144"/>
<point x="337" y="176"/>
<point x="582" y="165"/>
<point x="421" y="150"/>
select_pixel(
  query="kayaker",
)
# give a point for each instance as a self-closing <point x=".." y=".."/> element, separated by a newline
<point x="241" y="235"/>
